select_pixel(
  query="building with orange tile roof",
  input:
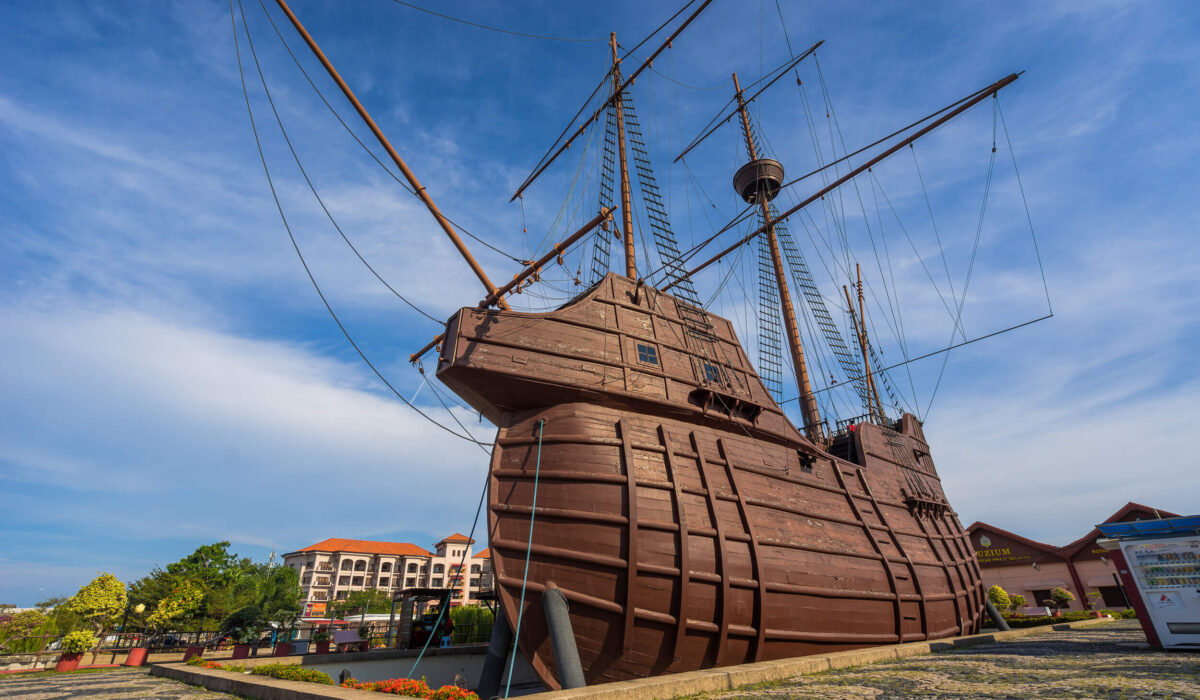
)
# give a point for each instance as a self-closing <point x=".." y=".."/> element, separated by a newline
<point x="333" y="568"/>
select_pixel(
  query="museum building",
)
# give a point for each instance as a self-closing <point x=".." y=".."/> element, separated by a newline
<point x="1030" y="568"/>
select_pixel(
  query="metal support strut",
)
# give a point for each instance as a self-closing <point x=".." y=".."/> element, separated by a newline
<point x="493" y="663"/>
<point x="993" y="613"/>
<point x="562" y="638"/>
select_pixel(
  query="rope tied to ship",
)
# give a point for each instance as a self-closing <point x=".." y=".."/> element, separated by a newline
<point x="537" y="469"/>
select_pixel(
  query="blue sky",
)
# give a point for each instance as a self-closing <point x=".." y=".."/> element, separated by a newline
<point x="169" y="378"/>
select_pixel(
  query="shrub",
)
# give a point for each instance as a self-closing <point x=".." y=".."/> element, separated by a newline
<point x="472" y="624"/>
<point x="1015" y="601"/>
<point x="1060" y="597"/>
<point x="1039" y="620"/>
<point x="999" y="597"/>
<point x="1128" y="614"/>
<point x="79" y="641"/>
<point x="413" y="688"/>
<point x="291" y="672"/>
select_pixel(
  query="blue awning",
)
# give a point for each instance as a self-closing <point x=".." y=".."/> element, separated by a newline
<point x="1165" y="527"/>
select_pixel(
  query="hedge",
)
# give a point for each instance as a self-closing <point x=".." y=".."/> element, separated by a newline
<point x="292" y="672"/>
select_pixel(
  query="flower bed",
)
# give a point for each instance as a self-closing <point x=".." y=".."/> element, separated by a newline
<point x="412" y="688"/>
<point x="200" y="662"/>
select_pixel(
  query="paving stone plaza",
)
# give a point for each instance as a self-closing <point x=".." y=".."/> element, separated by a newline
<point x="101" y="685"/>
<point x="1108" y="660"/>
<point x="1101" y="661"/>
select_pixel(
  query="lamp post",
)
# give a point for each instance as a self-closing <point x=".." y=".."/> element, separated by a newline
<point x="137" y="655"/>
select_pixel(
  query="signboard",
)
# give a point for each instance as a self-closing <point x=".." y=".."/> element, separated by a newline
<point x="314" y="610"/>
<point x="994" y="549"/>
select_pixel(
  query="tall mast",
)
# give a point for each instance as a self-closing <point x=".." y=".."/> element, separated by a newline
<point x="874" y="405"/>
<point x="416" y="185"/>
<point x="626" y="196"/>
<point x="808" y="401"/>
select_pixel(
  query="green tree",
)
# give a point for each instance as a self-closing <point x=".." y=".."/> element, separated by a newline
<point x="24" y="632"/>
<point x="63" y="620"/>
<point x="363" y="603"/>
<point x="182" y="602"/>
<point x="1016" y="601"/>
<point x="999" y="597"/>
<point x="224" y="579"/>
<point x="244" y="625"/>
<point x="100" y="603"/>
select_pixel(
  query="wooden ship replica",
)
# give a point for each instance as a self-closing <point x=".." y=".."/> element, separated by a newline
<point x="643" y="469"/>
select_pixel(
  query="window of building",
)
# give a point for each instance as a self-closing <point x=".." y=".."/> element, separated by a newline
<point x="343" y="580"/>
<point x="360" y="565"/>
<point x="712" y="373"/>
<point x="410" y="582"/>
<point x="323" y="581"/>
<point x="438" y="568"/>
<point x="320" y="595"/>
<point x="307" y="580"/>
<point x="341" y="595"/>
<point x="412" y="568"/>
<point x="1038" y="598"/>
<point x="436" y="583"/>
<point x="647" y="354"/>
<point x="1113" y="598"/>
<point x="384" y="581"/>
<point x="474" y="583"/>
<point x="308" y="565"/>
<point x="474" y="568"/>
<point x="325" y="566"/>
<point x="347" y="565"/>
<point x="386" y="568"/>
<point x="357" y="581"/>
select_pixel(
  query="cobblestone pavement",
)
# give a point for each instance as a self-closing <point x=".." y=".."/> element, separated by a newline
<point x="1100" y="661"/>
<point x="101" y="685"/>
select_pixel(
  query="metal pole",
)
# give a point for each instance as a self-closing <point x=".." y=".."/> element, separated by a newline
<point x="562" y="639"/>
<point x="417" y="187"/>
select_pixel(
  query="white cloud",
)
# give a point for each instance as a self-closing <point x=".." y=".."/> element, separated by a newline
<point x="202" y="431"/>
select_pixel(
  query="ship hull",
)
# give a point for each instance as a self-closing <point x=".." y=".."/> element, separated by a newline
<point x="685" y="537"/>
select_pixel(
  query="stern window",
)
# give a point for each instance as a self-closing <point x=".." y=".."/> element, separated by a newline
<point x="712" y="373"/>
<point x="647" y="354"/>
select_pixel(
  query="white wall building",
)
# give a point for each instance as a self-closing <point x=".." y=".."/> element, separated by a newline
<point x="331" y="569"/>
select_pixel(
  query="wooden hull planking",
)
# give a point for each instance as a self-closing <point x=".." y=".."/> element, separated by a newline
<point x="688" y="532"/>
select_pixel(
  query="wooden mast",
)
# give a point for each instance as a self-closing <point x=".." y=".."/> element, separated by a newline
<point x="874" y="405"/>
<point x="416" y="185"/>
<point x="808" y="401"/>
<point x="626" y="196"/>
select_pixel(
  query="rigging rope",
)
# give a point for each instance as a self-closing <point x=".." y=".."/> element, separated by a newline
<point x="364" y="146"/>
<point x="495" y="29"/>
<point x="279" y="206"/>
<point x="537" y="470"/>
<point x="461" y="563"/>
<point x="962" y="300"/>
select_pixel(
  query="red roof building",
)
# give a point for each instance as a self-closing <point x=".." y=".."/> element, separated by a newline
<point x="1032" y="569"/>
<point x="334" y="568"/>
